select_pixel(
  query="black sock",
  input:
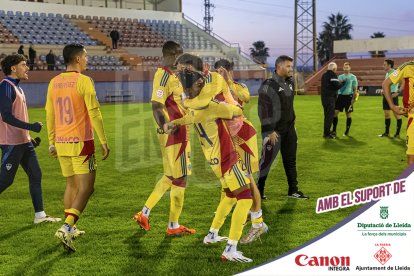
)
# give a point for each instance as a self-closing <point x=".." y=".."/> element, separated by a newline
<point x="334" y="123"/>
<point x="387" y="125"/>
<point x="348" y="124"/>
<point x="399" y="123"/>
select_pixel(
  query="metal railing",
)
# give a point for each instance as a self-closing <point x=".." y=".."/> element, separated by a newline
<point x="201" y="27"/>
<point x="224" y="41"/>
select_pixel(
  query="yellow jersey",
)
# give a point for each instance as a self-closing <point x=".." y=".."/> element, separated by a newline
<point x="69" y="98"/>
<point x="239" y="91"/>
<point x="214" y="135"/>
<point x="405" y="72"/>
<point x="168" y="91"/>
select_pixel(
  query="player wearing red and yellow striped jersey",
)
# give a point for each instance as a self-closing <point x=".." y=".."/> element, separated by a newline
<point x="71" y="110"/>
<point x="221" y="86"/>
<point x="219" y="151"/>
<point x="405" y="74"/>
<point x="166" y="101"/>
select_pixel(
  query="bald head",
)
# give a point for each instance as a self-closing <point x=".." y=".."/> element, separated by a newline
<point x="332" y="66"/>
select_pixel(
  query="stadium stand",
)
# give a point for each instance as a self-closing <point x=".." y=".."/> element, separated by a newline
<point x="120" y="75"/>
<point x="368" y="71"/>
<point x="40" y="28"/>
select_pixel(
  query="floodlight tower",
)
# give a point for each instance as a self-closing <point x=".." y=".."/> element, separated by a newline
<point x="208" y="18"/>
<point x="305" y="34"/>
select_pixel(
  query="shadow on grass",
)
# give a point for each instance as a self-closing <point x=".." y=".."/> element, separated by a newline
<point x="342" y="142"/>
<point x="42" y="262"/>
<point x="139" y="255"/>
<point x="15" y="232"/>
<point x="399" y="142"/>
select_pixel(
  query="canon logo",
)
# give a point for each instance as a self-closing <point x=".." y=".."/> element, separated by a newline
<point x="304" y="260"/>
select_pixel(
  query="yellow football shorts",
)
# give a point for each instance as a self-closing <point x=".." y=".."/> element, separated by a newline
<point x="236" y="177"/>
<point x="73" y="165"/>
<point x="175" y="158"/>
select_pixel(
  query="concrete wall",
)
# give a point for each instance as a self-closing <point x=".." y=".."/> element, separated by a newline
<point x="140" y="90"/>
<point x="374" y="44"/>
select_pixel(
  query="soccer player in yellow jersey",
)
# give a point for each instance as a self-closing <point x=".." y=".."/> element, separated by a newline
<point x="246" y="145"/>
<point x="72" y="112"/>
<point x="219" y="151"/>
<point x="239" y="91"/>
<point x="405" y="74"/>
<point x="166" y="100"/>
<point x="221" y="85"/>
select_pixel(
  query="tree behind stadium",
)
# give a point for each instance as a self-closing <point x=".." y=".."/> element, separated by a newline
<point x="259" y="52"/>
<point x="336" y="28"/>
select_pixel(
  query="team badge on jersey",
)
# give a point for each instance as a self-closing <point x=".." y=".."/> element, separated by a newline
<point x="395" y="74"/>
<point x="160" y="93"/>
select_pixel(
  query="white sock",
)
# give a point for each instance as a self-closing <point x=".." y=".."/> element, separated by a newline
<point x="173" y="225"/>
<point x="256" y="215"/>
<point x="146" y="211"/>
<point x="212" y="233"/>
<point x="231" y="246"/>
<point x="67" y="227"/>
<point x="40" y="214"/>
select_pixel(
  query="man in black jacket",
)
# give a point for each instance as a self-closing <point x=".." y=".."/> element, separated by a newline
<point x="277" y="118"/>
<point x="114" y="34"/>
<point x="329" y="92"/>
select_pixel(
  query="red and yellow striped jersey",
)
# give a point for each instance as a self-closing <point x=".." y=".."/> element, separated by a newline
<point x="405" y="72"/>
<point x="168" y="91"/>
<point x="214" y="135"/>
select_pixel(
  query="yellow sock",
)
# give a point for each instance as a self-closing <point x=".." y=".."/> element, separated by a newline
<point x="159" y="190"/>
<point x="222" y="211"/>
<point x="239" y="218"/>
<point x="176" y="202"/>
<point x="72" y="216"/>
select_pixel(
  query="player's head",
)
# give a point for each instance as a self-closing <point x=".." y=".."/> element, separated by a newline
<point x="284" y="66"/>
<point x="388" y="64"/>
<point x="332" y="66"/>
<point x="189" y="72"/>
<point x="226" y="64"/>
<point x="75" y="55"/>
<point x="347" y="67"/>
<point x="170" y="51"/>
<point x="15" y="66"/>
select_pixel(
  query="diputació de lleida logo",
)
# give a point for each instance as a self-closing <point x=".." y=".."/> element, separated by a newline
<point x="384" y="212"/>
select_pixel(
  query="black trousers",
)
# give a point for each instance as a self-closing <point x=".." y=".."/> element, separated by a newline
<point x="328" y="104"/>
<point x="287" y="144"/>
<point x="114" y="44"/>
<point x="24" y="155"/>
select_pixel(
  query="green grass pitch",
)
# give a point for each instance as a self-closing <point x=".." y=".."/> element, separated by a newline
<point x="114" y="245"/>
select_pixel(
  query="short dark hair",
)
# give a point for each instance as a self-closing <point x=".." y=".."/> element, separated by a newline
<point x="282" y="59"/>
<point x="71" y="51"/>
<point x="226" y="64"/>
<point x="171" y="48"/>
<point x="189" y="59"/>
<point x="390" y="62"/>
<point x="11" y="60"/>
